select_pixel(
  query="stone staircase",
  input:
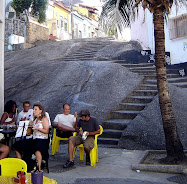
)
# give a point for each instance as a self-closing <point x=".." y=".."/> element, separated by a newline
<point x="135" y="102"/>
<point x="87" y="51"/>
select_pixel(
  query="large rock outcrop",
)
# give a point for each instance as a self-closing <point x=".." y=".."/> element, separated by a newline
<point x="38" y="74"/>
<point x="146" y="130"/>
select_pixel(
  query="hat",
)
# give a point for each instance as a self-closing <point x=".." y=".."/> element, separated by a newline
<point x="84" y="112"/>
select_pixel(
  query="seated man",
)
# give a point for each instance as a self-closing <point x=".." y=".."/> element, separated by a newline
<point x="26" y="113"/>
<point x="90" y="125"/>
<point x="65" y="123"/>
<point x="24" y="146"/>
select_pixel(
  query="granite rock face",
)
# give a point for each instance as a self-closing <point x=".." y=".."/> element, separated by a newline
<point x="146" y="130"/>
<point x="35" y="75"/>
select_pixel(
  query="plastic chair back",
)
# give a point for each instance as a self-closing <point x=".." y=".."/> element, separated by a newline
<point x="10" y="166"/>
<point x="56" y="141"/>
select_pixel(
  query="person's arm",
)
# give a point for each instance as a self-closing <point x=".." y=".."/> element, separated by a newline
<point x="18" y="119"/>
<point x="93" y="133"/>
<point x="4" y="117"/>
<point x="76" y="120"/>
<point x="55" y="122"/>
<point x="45" y="129"/>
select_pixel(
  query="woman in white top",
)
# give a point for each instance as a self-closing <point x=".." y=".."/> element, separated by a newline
<point x="40" y="134"/>
<point x="9" y="115"/>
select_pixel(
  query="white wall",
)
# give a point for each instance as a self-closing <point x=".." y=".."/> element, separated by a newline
<point x="140" y="30"/>
<point x="77" y="20"/>
<point x="143" y="32"/>
<point x="176" y="47"/>
<point x="2" y="26"/>
<point x="49" y="11"/>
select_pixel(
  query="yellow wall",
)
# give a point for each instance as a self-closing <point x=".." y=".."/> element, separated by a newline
<point x="81" y="10"/>
<point x="85" y="12"/>
<point x="61" y="12"/>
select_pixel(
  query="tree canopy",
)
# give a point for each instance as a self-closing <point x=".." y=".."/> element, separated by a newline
<point x="38" y="7"/>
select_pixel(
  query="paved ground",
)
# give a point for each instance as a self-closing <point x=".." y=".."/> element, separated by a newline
<point x="114" y="167"/>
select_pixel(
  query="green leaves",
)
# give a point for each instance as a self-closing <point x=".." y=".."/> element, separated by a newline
<point x="38" y="7"/>
<point x="21" y="5"/>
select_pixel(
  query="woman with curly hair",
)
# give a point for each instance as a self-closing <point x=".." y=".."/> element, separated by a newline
<point x="9" y="115"/>
<point x="40" y="134"/>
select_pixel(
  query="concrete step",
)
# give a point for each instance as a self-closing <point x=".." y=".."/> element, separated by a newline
<point x="132" y="106"/>
<point x="138" y="99"/>
<point x="107" y="145"/>
<point x="78" y="59"/>
<point x="109" y="141"/>
<point x="130" y="65"/>
<point x="170" y="80"/>
<point x="146" y="92"/>
<point x="82" y="54"/>
<point x="116" y="124"/>
<point x="111" y="133"/>
<point x="144" y="72"/>
<point x="153" y="76"/>
<point x="143" y="68"/>
<point x="177" y="80"/>
<point x="124" y="114"/>
<point x="147" y="87"/>
<point x="181" y="84"/>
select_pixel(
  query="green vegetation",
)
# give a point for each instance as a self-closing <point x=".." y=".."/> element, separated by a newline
<point x="38" y="8"/>
<point x="111" y="32"/>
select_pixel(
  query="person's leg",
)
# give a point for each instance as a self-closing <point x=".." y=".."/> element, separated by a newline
<point x="73" y="141"/>
<point x="70" y="150"/>
<point x="4" y="149"/>
<point x="18" y="155"/>
<point x="88" y="145"/>
<point x="18" y="147"/>
<point x="39" y="159"/>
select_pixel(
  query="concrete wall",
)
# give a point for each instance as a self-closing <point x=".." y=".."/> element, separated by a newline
<point x="143" y="32"/>
<point x="36" y="31"/>
<point x="177" y="47"/>
<point x="78" y="24"/>
<point x="2" y="27"/>
<point x="140" y="29"/>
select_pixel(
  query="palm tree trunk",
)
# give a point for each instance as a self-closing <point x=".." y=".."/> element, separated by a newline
<point x="173" y="144"/>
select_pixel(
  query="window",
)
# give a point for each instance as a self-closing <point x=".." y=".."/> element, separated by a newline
<point x="178" y="27"/>
<point x="84" y="28"/>
<point x="61" y="22"/>
<point x="65" y="24"/>
<point x="76" y="30"/>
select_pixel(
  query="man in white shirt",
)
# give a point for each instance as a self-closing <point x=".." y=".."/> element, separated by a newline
<point x="26" y="113"/>
<point x="23" y="146"/>
<point x="65" y="123"/>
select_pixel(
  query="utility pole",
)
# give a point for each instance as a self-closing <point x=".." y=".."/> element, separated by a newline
<point x="72" y="23"/>
<point x="2" y="36"/>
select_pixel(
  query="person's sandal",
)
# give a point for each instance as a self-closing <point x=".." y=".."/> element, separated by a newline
<point x="68" y="164"/>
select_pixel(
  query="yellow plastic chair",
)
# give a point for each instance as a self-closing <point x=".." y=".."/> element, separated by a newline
<point x="10" y="166"/>
<point x="56" y="141"/>
<point x="93" y="153"/>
